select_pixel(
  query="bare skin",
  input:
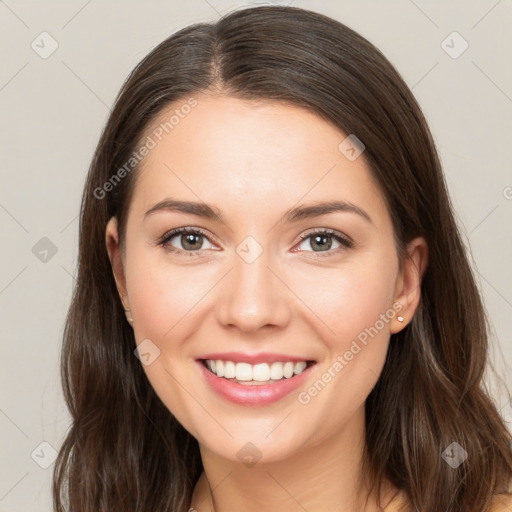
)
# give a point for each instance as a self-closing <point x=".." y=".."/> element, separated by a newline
<point x="253" y="162"/>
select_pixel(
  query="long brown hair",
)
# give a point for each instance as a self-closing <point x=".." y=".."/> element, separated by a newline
<point x="125" y="452"/>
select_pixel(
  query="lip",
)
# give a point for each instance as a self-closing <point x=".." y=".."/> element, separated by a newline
<point x="253" y="395"/>
<point x="262" y="357"/>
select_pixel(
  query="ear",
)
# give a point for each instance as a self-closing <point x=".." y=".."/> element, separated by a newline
<point x="408" y="285"/>
<point x="114" y="254"/>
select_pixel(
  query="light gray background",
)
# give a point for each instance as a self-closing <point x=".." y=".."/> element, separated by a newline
<point x="52" y="113"/>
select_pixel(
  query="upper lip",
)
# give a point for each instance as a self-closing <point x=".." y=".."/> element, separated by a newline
<point x="262" y="357"/>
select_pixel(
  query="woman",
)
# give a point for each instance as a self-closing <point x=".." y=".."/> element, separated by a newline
<point x="274" y="309"/>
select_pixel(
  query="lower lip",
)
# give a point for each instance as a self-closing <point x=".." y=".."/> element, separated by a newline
<point x="257" y="394"/>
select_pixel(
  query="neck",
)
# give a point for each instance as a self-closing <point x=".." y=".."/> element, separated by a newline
<point x="324" y="476"/>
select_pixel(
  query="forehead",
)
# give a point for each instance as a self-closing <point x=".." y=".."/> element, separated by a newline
<point x="254" y="155"/>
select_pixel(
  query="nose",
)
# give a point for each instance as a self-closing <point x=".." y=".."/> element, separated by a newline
<point x="253" y="295"/>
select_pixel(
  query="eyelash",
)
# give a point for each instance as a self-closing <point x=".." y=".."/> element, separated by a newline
<point x="344" y="240"/>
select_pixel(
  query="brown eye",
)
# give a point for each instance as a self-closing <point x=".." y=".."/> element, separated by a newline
<point x="191" y="241"/>
<point x="324" y="241"/>
<point x="185" y="240"/>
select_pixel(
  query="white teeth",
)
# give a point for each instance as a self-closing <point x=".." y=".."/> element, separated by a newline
<point x="299" y="367"/>
<point x="288" y="369"/>
<point x="243" y="371"/>
<point x="262" y="372"/>
<point x="276" y="371"/>
<point x="219" y="368"/>
<point x="229" y="370"/>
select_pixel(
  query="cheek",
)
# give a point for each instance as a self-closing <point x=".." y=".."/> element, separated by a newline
<point x="164" y="297"/>
<point x="346" y="301"/>
<point x="165" y="300"/>
<point x="353" y="307"/>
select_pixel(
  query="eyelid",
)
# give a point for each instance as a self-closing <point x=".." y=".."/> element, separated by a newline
<point x="334" y="233"/>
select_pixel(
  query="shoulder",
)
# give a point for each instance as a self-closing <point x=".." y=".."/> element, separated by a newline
<point x="399" y="503"/>
<point x="499" y="503"/>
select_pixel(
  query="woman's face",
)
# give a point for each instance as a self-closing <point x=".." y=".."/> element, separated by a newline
<point x="255" y="284"/>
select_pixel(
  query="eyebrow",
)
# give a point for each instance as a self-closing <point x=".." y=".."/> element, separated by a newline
<point x="294" y="214"/>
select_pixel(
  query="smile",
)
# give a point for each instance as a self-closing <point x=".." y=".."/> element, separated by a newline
<point x="255" y="374"/>
<point x="263" y="381"/>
